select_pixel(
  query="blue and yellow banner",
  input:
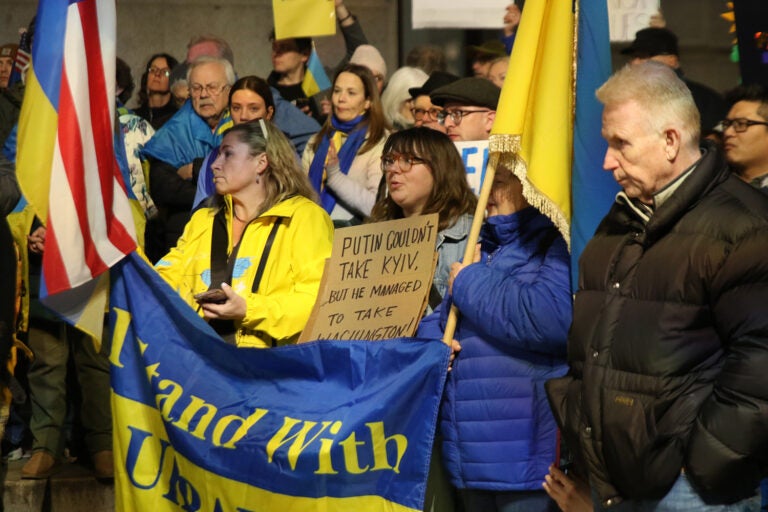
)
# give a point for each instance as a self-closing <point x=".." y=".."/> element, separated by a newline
<point x="203" y="425"/>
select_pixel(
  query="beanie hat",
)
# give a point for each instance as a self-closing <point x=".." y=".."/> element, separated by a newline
<point x="368" y="56"/>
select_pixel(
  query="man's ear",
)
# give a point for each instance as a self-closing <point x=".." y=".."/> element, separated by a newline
<point x="672" y="143"/>
<point x="489" y="120"/>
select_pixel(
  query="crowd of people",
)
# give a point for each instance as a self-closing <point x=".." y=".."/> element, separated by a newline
<point x="643" y="391"/>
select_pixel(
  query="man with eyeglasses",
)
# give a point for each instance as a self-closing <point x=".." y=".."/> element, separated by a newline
<point x="424" y="111"/>
<point x="745" y="134"/>
<point x="469" y="108"/>
<point x="177" y="150"/>
<point x="665" y="404"/>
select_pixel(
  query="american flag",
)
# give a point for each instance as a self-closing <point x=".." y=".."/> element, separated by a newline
<point x="23" y="58"/>
<point x="66" y="160"/>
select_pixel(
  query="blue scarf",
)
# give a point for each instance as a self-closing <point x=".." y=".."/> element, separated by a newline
<point x="347" y="153"/>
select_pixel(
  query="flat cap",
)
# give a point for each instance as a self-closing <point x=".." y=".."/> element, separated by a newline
<point x="9" y="50"/>
<point x="468" y="91"/>
<point x="436" y="80"/>
<point x="488" y="50"/>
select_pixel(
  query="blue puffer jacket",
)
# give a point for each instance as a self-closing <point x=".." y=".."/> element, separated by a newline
<point x="498" y="431"/>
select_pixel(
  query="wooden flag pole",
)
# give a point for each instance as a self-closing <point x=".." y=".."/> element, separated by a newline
<point x="474" y="235"/>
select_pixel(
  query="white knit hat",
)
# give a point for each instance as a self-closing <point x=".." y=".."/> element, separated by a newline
<point x="368" y="56"/>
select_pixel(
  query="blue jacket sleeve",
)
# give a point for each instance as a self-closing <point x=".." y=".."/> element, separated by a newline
<point x="295" y="124"/>
<point x="529" y="309"/>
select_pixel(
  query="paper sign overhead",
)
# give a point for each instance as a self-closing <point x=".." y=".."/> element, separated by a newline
<point x="304" y="18"/>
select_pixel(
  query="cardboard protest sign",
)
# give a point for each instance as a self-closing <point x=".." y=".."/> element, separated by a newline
<point x="376" y="282"/>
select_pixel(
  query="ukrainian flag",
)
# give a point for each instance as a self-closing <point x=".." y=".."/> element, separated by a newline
<point x="315" y="78"/>
<point x="558" y="155"/>
<point x="346" y="426"/>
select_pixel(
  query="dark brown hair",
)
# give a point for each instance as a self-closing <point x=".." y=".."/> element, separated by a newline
<point x="374" y="118"/>
<point x="451" y="196"/>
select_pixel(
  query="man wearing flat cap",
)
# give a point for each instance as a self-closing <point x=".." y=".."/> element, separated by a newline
<point x="424" y="111"/>
<point x="469" y="108"/>
<point x="660" y="44"/>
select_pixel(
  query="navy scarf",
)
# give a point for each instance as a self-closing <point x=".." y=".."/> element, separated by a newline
<point x="355" y="139"/>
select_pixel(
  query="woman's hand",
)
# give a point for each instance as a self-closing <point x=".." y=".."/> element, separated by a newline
<point x="233" y="309"/>
<point x="459" y="266"/>
<point x="455" y="349"/>
<point x="36" y="241"/>
<point x="570" y="494"/>
<point x="332" y="160"/>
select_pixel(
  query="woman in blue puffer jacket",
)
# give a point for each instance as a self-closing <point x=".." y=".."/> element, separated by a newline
<point x="499" y="437"/>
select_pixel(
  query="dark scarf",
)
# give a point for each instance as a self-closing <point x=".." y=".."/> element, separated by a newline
<point x="355" y="139"/>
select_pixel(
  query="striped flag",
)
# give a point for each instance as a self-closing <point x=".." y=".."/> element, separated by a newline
<point x="66" y="160"/>
<point x="23" y="58"/>
<point x="315" y="78"/>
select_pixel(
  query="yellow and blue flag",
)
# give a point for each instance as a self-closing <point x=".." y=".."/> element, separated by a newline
<point x="66" y="162"/>
<point x="315" y="78"/>
<point x="559" y="164"/>
<point x="203" y="425"/>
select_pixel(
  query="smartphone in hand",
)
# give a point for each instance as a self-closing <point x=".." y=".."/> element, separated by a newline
<point x="215" y="296"/>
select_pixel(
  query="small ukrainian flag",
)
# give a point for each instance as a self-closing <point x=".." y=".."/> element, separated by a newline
<point x="315" y="79"/>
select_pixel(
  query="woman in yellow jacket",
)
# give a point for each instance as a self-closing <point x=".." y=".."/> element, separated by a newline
<point x="251" y="262"/>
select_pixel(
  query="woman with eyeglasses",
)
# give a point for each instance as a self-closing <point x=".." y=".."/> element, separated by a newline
<point x="425" y="174"/>
<point x="499" y="437"/>
<point x="155" y="101"/>
<point x="251" y="261"/>
<point x="343" y="159"/>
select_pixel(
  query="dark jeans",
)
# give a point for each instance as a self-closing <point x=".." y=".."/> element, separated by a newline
<point x="520" y="501"/>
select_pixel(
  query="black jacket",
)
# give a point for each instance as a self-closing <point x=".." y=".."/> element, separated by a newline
<point x="668" y="349"/>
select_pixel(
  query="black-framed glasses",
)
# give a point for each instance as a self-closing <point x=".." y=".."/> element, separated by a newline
<point x="211" y="89"/>
<point x="740" y="124"/>
<point x="160" y="71"/>
<point x="404" y="162"/>
<point x="420" y="113"/>
<point x="455" y="115"/>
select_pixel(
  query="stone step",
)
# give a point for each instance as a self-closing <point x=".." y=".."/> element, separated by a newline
<point x="71" y="488"/>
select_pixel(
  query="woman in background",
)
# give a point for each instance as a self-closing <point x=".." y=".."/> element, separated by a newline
<point x="155" y="101"/>
<point x="396" y="98"/>
<point x="343" y="159"/>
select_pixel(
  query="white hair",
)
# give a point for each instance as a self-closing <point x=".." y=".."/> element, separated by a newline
<point x="229" y="71"/>
<point x="396" y="93"/>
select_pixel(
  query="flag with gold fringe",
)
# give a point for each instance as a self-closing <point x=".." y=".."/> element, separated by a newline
<point x="558" y="155"/>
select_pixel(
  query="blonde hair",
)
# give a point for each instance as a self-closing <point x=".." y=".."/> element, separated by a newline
<point x="284" y="176"/>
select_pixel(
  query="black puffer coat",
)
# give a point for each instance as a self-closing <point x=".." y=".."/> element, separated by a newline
<point x="669" y="344"/>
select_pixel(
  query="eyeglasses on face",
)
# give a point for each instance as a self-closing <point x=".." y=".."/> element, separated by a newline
<point x="740" y="124"/>
<point x="420" y="113"/>
<point x="210" y="89"/>
<point x="456" y="115"/>
<point x="160" y="71"/>
<point x="404" y="162"/>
